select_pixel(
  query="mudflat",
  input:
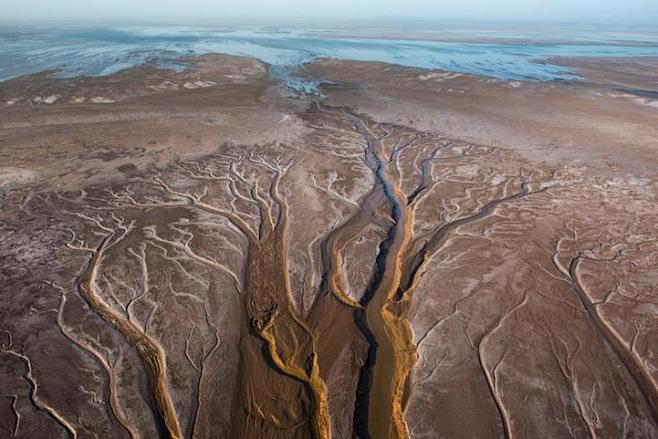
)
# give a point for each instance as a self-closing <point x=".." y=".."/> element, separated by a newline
<point x="407" y="253"/>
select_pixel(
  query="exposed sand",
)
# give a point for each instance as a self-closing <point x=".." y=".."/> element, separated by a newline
<point x="591" y="121"/>
<point x="416" y="254"/>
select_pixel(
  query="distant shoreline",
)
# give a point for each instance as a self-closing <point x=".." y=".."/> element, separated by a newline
<point x="101" y="51"/>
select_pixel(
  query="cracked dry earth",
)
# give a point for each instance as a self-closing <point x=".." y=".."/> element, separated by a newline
<point x="356" y="279"/>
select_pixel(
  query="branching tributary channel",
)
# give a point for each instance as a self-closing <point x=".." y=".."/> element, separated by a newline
<point x="401" y="261"/>
<point x="294" y="342"/>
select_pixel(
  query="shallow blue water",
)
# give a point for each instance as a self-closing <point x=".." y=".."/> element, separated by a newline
<point x="105" y="50"/>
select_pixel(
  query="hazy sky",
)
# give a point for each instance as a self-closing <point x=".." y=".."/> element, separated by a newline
<point x="482" y="10"/>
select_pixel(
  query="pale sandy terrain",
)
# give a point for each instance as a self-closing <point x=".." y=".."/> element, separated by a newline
<point x="413" y="254"/>
<point x="589" y="122"/>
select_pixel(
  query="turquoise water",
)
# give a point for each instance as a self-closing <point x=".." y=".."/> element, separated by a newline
<point x="504" y="55"/>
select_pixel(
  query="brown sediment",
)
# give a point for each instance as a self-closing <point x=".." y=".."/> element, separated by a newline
<point x="397" y="306"/>
<point x="403" y="260"/>
<point x="285" y="333"/>
<point x="290" y="341"/>
<point x="395" y="351"/>
<point x="34" y="397"/>
<point x="112" y="382"/>
<point x="290" y="344"/>
<point x="623" y="351"/>
<point x="149" y="351"/>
